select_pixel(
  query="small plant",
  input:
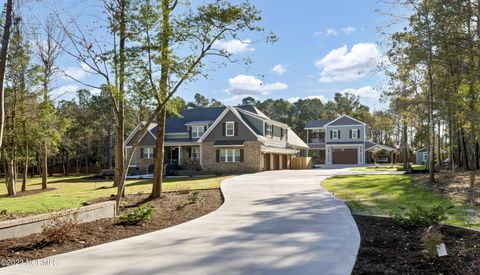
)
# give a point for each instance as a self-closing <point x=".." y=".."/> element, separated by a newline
<point x="430" y="239"/>
<point x="139" y="214"/>
<point x="423" y="215"/>
<point x="180" y="207"/>
<point x="474" y="268"/>
<point x="193" y="197"/>
<point x="59" y="230"/>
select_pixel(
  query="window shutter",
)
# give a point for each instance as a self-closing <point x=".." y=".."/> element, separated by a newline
<point x="141" y="153"/>
<point x="241" y="155"/>
<point x="218" y="155"/>
<point x="265" y="130"/>
<point x="358" y="133"/>
<point x="189" y="152"/>
<point x="190" y="132"/>
<point x="235" y="128"/>
<point x="331" y="134"/>
<point x="154" y="152"/>
<point x="350" y="132"/>
<point x="281" y="133"/>
<point x="224" y="126"/>
<point x="205" y="127"/>
<point x="338" y="131"/>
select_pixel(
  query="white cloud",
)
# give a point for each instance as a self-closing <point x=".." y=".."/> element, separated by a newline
<point x="367" y="94"/>
<point x="250" y="85"/>
<point x="342" y="65"/>
<point x="297" y="98"/>
<point x="279" y="69"/>
<point x="65" y="92"/>
<point x="348" y="30"/>
<point x="78" y="73"/>
<point x="331" y="31"/>
<point x="317" y="33"/>
<point x="234" y="46"/>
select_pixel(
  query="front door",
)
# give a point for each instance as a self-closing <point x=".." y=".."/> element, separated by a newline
<point x="174" y="155"/>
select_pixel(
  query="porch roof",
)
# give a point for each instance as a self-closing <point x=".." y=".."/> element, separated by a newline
<point x="276" y="150"/>
<point x="375" y="147"/>
<point x="229" y="143"/>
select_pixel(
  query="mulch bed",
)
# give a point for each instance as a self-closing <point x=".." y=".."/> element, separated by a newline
<point x="167" y="213"/>
<point x="389" y="248"/>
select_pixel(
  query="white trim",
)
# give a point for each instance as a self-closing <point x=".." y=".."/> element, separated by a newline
<point x="314" y="128"/>
<point x="232" y="151"/>
<point x="132" y="134"/>
<point x="266" y="119"/>
<point x="231" y="123"/>
<point x="197" y="132"/>
<point x="343" y="125"/>
<point x="227" y="146"/>
<point x="425" y="156"/>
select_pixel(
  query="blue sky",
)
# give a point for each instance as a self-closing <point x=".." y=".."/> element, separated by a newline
<point x="324" y="47"/>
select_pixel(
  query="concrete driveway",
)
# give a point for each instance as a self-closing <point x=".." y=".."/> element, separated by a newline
<point x="276" y="222"/>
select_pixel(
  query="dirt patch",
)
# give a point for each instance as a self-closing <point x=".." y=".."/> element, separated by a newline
<point x="462" y="186"/>
<point x="389" y="248"/>
<point x="167" y="213"/>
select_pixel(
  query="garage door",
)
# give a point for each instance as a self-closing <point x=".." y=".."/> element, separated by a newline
<point x="266" y="162"/>
<point x="344" y="156"/>
<point x="276" y="162"/>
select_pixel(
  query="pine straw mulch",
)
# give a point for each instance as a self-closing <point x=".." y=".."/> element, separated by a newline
<point x="167" y="213"/>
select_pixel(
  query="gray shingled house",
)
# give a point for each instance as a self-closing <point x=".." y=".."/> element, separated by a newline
<point x="219" y="140"/>
<point x="341" y="141"/>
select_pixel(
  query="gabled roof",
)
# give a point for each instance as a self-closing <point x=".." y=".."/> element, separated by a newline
<point x="294" y="140"/>
<point x="372" y="146"/>
<point x="344" y="120"/>
<point x="319" y="123"/>
<point x="176" y="124"/>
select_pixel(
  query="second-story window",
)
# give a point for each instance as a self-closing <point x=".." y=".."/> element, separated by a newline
<point x="268" y="130"/>
<point x="335" y="134"/>
<point x="229" y="128"/>
<point x="354" y="134"/>
<point x="197" y="131"/>
<point x="147" y="153"/>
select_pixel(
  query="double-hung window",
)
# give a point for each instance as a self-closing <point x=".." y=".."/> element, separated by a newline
<point x="195" y="153"/>
<point x="354" y="134"/>
<point x="197" y="131"/>
<point x="268" y="130"/>
<point x="230" y="128"/>
<point x="148" y="153"/>
<point x="229" y="155"/>
<point x="334" y="134"/>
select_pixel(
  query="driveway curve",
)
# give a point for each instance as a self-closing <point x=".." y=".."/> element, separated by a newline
<point x="275" y="222"/>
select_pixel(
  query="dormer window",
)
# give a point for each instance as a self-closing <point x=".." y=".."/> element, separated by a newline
<point x="335" y="134"/>
<point x="229" y="128"/>
<point x="354" y="134"/>
<point x="197" y="131"/>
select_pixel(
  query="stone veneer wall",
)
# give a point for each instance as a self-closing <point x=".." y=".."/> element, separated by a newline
<point x="252" y="159"/>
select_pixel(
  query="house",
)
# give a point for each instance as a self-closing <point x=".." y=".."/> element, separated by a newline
<point x="421" y="156"/>
<point x="341" y="141"/>
<point x="219" y="140"/>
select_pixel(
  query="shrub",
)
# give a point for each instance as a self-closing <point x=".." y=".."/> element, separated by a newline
<point x="193" y="197"/>
<point x="180" y="207"/>
<point x="59" y="230"/>
<point x="139" y="214"/>
<point x="424" y="215"/>
<point x="430" y="239"/>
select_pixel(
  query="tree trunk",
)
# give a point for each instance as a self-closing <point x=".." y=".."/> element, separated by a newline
<point x="10" y="174"/>
<point x="405" y="145"/>
<point x="159" y="148"/>
<point x="109" y="150"/>
<point x="3" y="63"/>
<point x="464" y="149"/>
<point x="44" y="165"/>
<point x="25" y="170"/>
<point x="67" y="160"/>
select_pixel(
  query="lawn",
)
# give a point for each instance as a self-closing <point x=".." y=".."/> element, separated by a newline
<point x="71" y="192"/>
<point x="387" y="167"/>
<point x="386" y="194"/>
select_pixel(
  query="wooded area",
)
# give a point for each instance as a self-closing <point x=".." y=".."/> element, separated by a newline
<point x="155" y="47"/>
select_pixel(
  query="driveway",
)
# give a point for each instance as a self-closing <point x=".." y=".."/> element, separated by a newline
<point x="275" y="222"/>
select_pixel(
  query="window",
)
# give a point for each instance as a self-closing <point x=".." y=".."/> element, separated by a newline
<point x="195" y="153"/>
<point x="268" y="129"/>
<point x="354" y="133"/>
<point x="197" y="131"/>
<point x="229" y="128"/>
<point x="229" y="155"/>
<point x="425" y="157"/>
<point x="334" y="134"/>
<point x="148" y="153"/>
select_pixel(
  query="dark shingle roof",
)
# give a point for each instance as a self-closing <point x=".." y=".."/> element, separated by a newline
<point x="345" y="120"/>
<point x="176" y="124"/>
<point x="317" y="123"/>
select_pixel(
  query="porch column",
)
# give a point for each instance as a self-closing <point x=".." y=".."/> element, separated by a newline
<point x="179" y="155"/>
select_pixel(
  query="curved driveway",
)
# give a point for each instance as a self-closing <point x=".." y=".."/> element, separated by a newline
<point x="275" y="222"/>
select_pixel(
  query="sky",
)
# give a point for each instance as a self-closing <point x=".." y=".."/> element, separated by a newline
<point x="324" y="47"/>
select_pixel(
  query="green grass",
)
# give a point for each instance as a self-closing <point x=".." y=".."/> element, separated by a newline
<point x="71" y="192"/>
<point x="386" y="194"/>
<point x="387" y="168"/>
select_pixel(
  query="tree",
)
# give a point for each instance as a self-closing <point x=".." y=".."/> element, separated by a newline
<point x="3" y="62"/>
<point x="247" y="101"/>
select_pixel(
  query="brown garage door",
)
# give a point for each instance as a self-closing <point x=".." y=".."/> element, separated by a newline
<point x="266" y="162"/>
<point x="276" y="162"/>
<point x="344" y="156"/>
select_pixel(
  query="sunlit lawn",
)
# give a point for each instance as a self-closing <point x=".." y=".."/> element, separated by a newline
<point x="386" y="194"/>
<point x="71" y="192"/>
<point x="387" y="167"/>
